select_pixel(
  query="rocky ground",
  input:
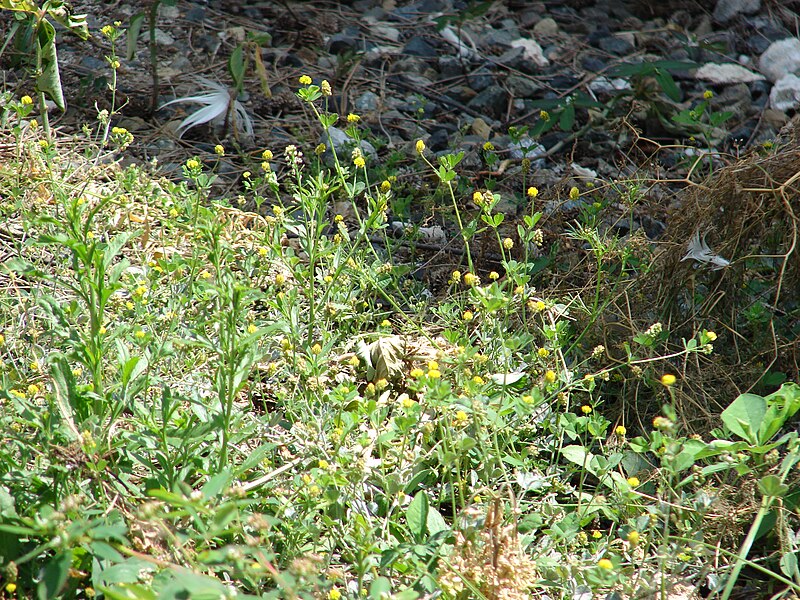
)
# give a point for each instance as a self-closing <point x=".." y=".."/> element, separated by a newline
<point x="587" y="91"/>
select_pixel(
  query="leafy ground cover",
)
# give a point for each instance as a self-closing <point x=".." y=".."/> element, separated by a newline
<point x="202" y="401"/>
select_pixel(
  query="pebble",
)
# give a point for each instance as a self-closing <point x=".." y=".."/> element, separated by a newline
<point x="493" y="101"/>
<point x="726" y="73"/>
<point x="725" y="10"/>
<point x="418" y="46"/>
<point x="785" y="95"/>
<point x="780" y="59"/>
<point x="547" y="27"/>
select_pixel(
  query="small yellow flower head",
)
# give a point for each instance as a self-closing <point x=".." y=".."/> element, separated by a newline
<point x="519" y="290"/>
<point x="711" y="336"/>
<point x="544" y="115"/>
<point x="596" y="535"/>
<point x="386" y="323"/>
<point x="662" y="423"/>
<point x="633" y="482"/>
<point x="325" y="87"/>
<point x="527" y="399"/>
<point x="468" y="316"/>
<point x="708" y="94"/>
<point x="420" y="146"/>
<point x="668" y="379"/>
<point x="574" y="193"/>
<point x="471" y="279"/>
<point x="305" y="80"/>
<point x="323" y="464"/>
<point x="538" y="306"/>
<point x="543" y="352"/>
<point x="280" y="279"/>
<point x="251" y="329"/>
<point x="263" y="251"/>
<point x="26" y="100"/>
<point x="334" y="594"/>
<point x="192" y="163"/>
<point x="494" y="276"/>
<point x="456" y="276"/>
<point x="461" y="416"/>
<point x="434" y="374"/>
<point x="34" y="124"/>
<point x="477" y="197"/>
<point x="620" y="430"/>
<point x="359" y="162"/>
<point x="114" y="64"/>
<point x="433" y="365"/>
<point x="488" y="146"/>
<point x="33" y="389"/>
<point x="246" y="174"/>
<point x="139" y="334"/>
<point x="386" y="185"/>
<point x="633" y="537"/>
<point x="605" y="564"/>
<point x="550" y="376"/>
<point x="353" y="118"/>
<point x="11" y="588"/>
<point x="102" y="330"/>
<point x="508" y="243"/>
<point x="586" y="409"/>
<point x="2" y="339"/>
<point x="478" y="380"/>
<point x="417" y="373"/>
<point x="533" y="192"/>
<point x="320" y="149"/>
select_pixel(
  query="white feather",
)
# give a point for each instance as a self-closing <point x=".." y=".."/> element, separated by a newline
<point x="698" y="250"/>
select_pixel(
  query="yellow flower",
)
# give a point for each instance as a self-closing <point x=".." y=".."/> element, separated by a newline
<point x="407" y="402"/>
<point x="667" y="379"/>
<point x="478" y="380"/>
<point x="102" y="330"/>
<point x="316" y="349"/>
<point x="633" y="537"/>
<point x="468" y="316"/>
<point x="139" y="334"/>
<point x="11" y="588"/>
<point x="433" y="365"/>
<point x="353" y="118"/>
<point x="544" y="115"/>
<point x="359" y="162"/>
<point x="543" y="352"/>
<point x="519" y="290"/>
<point x="324" y="464"/>
<point x="192" y="163"/>
<point x="708" y="94"/>
<point x="461" y="416"/>
<point x="417" y="373"/>
<point x="219" y="150"/>
<point x="420" y="146"/>
<point x="574" y="193"/>
<point x="550" y="377"/>
<point x="325" y="87"/>
<point x="538" y="306"/>
<point x="471" y="279"/>
<point x="533" y="192"/>
<point x="456" y="276"/>
<point x="2" y="339"/>
<point x="596" y="534"/>
<point x="488" y="146"/>
<point x="711" y="336"/>
<point x="265" y="166"/>
<point x="246" y="174"/>
<point x="263" y="251"/>
<point x="266" y="155"/>
<point x="606" y="564"/>
<point x="633" y="482"/>
<point x="434" y="373"/>
<point x="26" y="100"/>
<point x="508" y="243"/>
<point x="305" y="80"/>
<point x="386" y="186"/>
<point x="586" y="409"/>
<point x="620" y="430"/>
<point x="114" y="64"/>
<point x="251" y="329"/>
<point x="662" y="423"/>
<point x="34" y="124"/>
<point x="386" y="323"/>
<point x="494" y="276"/>
<point x="477" y="197"/>
<point x="33" y="389"/>
<point x="334" y="594"/>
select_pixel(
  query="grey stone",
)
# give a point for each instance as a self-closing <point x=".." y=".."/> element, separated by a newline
<point x="726" y="73"/>
<point x="735" y="98"/>
<point x="617" y="45"/>
<point x="522" y="87"/>
<point x="418" y="46"/>
<point x="343" y="145"/>
<point x="780" y="59"/>
<point x="367" y="102"/>
<point x="492" y="101"/>
<point x="450" y="66"/>
<point x="546" y="27"/>
<point x="785" y="95"/>
<point x="196" y="14"/>
<point x="725" y="10"/>
<point x="347" y="40"/>
<point x="480" y="79"/>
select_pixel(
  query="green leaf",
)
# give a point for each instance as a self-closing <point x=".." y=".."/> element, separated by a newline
<point x="789" y="565"/>
<point x="772" y="487"/>
<point x="55" y="575"/>
<point x="567" y="118"/>
<point x="128" y="592"/>
<point x="417" y="515"/>
<point x="744" y="416"/>
<point x="380" y="588"/>
<point x="668" y="84"/>
<point x="49" y="80"/>
<point x="132" y="35"/>
<point x="236" y="66"/>
<point x="436" y="522"/>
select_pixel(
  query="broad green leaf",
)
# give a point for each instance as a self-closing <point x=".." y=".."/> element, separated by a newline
<point x="132" y="35"/>
<point x="436" y="522"/>
<point x="55" y="576"/>
<point x="49" y="80"/>
<point x="668" y="84"/>
<point x="772" y="487"/>
<point x="417" y="515"/>
<point x="744" y="416"/>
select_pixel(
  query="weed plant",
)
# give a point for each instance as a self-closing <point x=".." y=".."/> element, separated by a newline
<point x="200" y="401"/>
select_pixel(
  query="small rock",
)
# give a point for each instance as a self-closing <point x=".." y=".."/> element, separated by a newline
<point x="546" y="27"/>
<point x="418" y="46"/>
<point x="492" y="102"/>
<point x="780" y="59"/>
<point x="532" y="51"/>
<point x="386" y="32"/>
<point x="480" y="79"/>
<point x="347" y="40"/>
<point x="725" y="10"/>
<point x="617" y="44"/>
<point x="163" y="38"/>
<point x="481" y="128"/>
<point x="450" y="66"/>
<point x="367" y="102"/>
<point x="196" y="14"/>
<point x="785" y="95"/>
<point x="735" y="98"/>
<point x="343" y="145"/>
<point x="522" y="87"/>
<point x="604" y="85"/>
<point x="726" y="73"/>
